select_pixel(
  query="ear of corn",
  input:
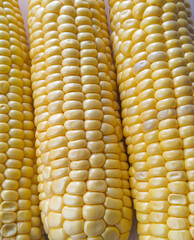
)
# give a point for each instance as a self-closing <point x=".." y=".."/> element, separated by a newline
<point x="152" y="49"/>
<point x="83" y="180"/>
<point x="17" y="209"/>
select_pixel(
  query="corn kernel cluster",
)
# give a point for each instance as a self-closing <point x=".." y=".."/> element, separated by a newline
<point x="153" y="50"/>
<point x="19" y="212"/>
<point x="82" y="165"/>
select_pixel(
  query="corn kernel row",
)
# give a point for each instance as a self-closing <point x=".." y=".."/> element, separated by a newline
<point x="126" y="211"/>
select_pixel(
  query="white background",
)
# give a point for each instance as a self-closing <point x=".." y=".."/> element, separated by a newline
<point x="24" y="9"/>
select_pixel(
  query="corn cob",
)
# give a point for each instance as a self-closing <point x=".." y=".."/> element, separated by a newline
<point x="17" y="150"/>
<point x="151" y="38"/>
<point x="80" y="177"/>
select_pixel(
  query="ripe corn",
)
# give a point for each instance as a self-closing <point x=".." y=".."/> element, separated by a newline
<point x="16" y="129"/>
<point x="82" y="170"/>
<point x="154" y="77"/>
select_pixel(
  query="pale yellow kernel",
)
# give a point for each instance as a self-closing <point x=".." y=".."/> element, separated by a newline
<point x="56" y="204"/>
<point x="124" y="225"/>
<point x="176" y="176"/>
<point x="142" y="207"/>
<point x="151" y="137"/>
<point x="158" y="194"/>
<point x="93" y="135"/>
<point x="94" y="228"/>
<point x="59" y="185"/>
<point x="114" y="193"/>
<point x="113" y="203"/>
<point x="96" y="185"/>
<point x="177" y="199"/>
<point x="55" y="220"/>
<point x="58" y="153"/>
<point x="178" y="187"/>
<point x="72" y="213"/>
<point x="96" y="173"/>
<point x="97" y="160"/>
<point x="72" y="200"/>
<point x="139" y="9"/>
<point x="74" y="124"/>
<point x="75" y="135"/>
<point x="78" y="175"/>
<point x="179" y="235"/>
<point x="23" y="227"/>
<point x="158" y="217"/>
<point x="7" y="217"/>
<point x="94" y="198"/>
<point x="77" y="188"/>
<point x="35" y="232"/>
<point x="9" y="230"/>
<point x="177" y="223"/>
<point x="63" y="162"/>
<point x="78" y="154"/>
<point x="112" y="217"/>
<point x="93" y="212"/>
<point x="57" y="234"/>
<point x="73" y="227"/>
<point x="163" y="232"/>
<point x="24" y="215"/>
<point x="80" y="165"/>
<point x="95" y="146"/>
<point x="158" y="182"/>
<point x="8" y="206"/>
<point x="159" y="205"/>
<point x="9" y="195"/>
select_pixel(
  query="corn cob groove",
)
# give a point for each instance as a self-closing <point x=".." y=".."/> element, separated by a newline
<point x="151" y="36"/>
<point x="83" y="184"/>
<point x="17" y="146"/>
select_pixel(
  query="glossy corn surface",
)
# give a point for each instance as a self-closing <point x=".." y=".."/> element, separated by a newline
<point x="19" y="214"/>
<point x="153" y="50"/>
<point x="82" y="167"/>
